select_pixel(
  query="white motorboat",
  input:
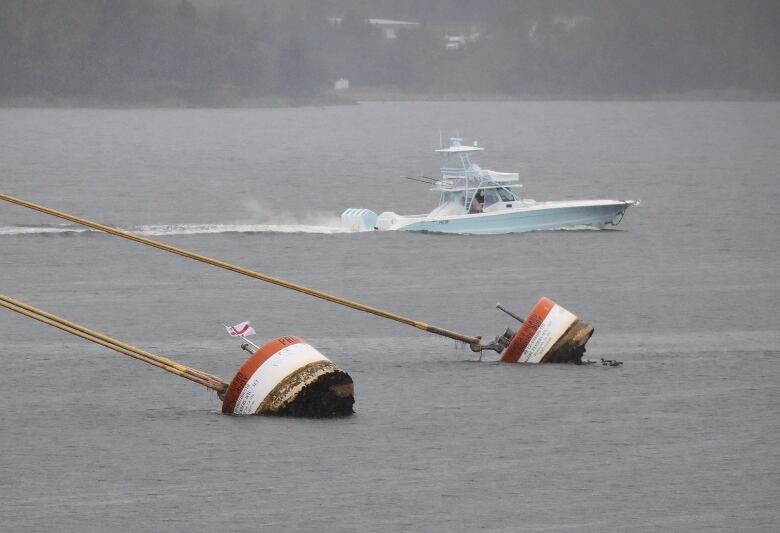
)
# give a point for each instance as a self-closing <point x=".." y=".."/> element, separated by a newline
<point x="473" y="200"/>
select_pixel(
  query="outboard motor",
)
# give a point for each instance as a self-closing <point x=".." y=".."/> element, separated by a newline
<point x="387" y="221"/>
<point x="356" y="219"/>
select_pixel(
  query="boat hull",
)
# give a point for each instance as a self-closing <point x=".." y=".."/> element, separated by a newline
<point x="539" y="216"/>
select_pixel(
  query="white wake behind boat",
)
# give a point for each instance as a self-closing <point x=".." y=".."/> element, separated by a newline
<point x="473" y="200"/>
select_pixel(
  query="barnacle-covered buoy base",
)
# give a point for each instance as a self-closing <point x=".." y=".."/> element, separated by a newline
<point x="289" y="377"/>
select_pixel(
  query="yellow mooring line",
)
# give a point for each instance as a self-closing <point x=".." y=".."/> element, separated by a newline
<point x="251" y="273"/>
<point x="198" y="376"/>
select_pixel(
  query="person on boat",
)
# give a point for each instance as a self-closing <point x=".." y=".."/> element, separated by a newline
<point x="476" y="203"/>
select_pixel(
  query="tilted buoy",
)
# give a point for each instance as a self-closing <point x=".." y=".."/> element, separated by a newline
<point x="289" y="377"/>
<point x="550" y="334"/>
<point x="286" y="377"/>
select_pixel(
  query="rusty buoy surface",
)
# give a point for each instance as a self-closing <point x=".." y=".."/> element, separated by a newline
<point x="289" y="377"/>
<point x="550" y="334"/>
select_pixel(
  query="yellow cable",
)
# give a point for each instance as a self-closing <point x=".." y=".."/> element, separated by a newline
<point x="234" y="268"/>
<point x="198" y="376"/>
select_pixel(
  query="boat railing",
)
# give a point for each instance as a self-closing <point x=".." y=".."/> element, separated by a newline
<point x="483" y="173"/>
<point x="454" y="171"/>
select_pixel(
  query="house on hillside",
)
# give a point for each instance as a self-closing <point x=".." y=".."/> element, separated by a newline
<point x="389" y="27"/>
<point x="456" y="42"/>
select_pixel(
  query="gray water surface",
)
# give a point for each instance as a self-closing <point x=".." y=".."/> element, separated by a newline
<point x="683" y="437"/>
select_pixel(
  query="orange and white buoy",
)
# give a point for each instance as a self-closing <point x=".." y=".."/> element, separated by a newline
<point x="550" y="334"/>
<point x="288" y="376"/>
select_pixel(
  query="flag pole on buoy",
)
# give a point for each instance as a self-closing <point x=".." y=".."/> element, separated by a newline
<point x="242" y="330"/>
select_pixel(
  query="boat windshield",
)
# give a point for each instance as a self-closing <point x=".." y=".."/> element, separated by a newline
<point x="451" y="203"/>
<point x="456" y="197"/>
<point x="491" y="197"/>
<point x="505" y="194"/>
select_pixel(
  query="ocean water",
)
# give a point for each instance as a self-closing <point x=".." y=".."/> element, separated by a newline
<point x="682" y="437"/>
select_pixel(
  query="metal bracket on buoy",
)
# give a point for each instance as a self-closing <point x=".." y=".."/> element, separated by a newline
<point x="246" y="348"/>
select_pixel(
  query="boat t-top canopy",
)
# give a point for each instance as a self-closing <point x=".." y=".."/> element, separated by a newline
<point x="456" y="147"/>
<point x="501" y="177"/>
<point x="457" y="166"/>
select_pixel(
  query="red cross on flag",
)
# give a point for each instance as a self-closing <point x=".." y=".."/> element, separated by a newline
<point x="240" y="330"/>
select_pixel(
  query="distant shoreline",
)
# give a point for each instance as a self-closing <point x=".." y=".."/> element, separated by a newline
<point x="731" y="95"/>
<point x="356" y="96"/>
<point x="205" y="102"/>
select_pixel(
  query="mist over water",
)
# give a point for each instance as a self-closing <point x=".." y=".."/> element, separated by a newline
<point x="684" y="291"/>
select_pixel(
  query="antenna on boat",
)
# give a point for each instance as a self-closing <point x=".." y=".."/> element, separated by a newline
<point x="423" y="179"/>
<point x="441" y="142"/>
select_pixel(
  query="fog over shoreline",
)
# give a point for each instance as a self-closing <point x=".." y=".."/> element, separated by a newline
<point x="269" y="53"/>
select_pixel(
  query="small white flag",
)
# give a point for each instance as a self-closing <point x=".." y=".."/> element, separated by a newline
<point x="240" y="330"/>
